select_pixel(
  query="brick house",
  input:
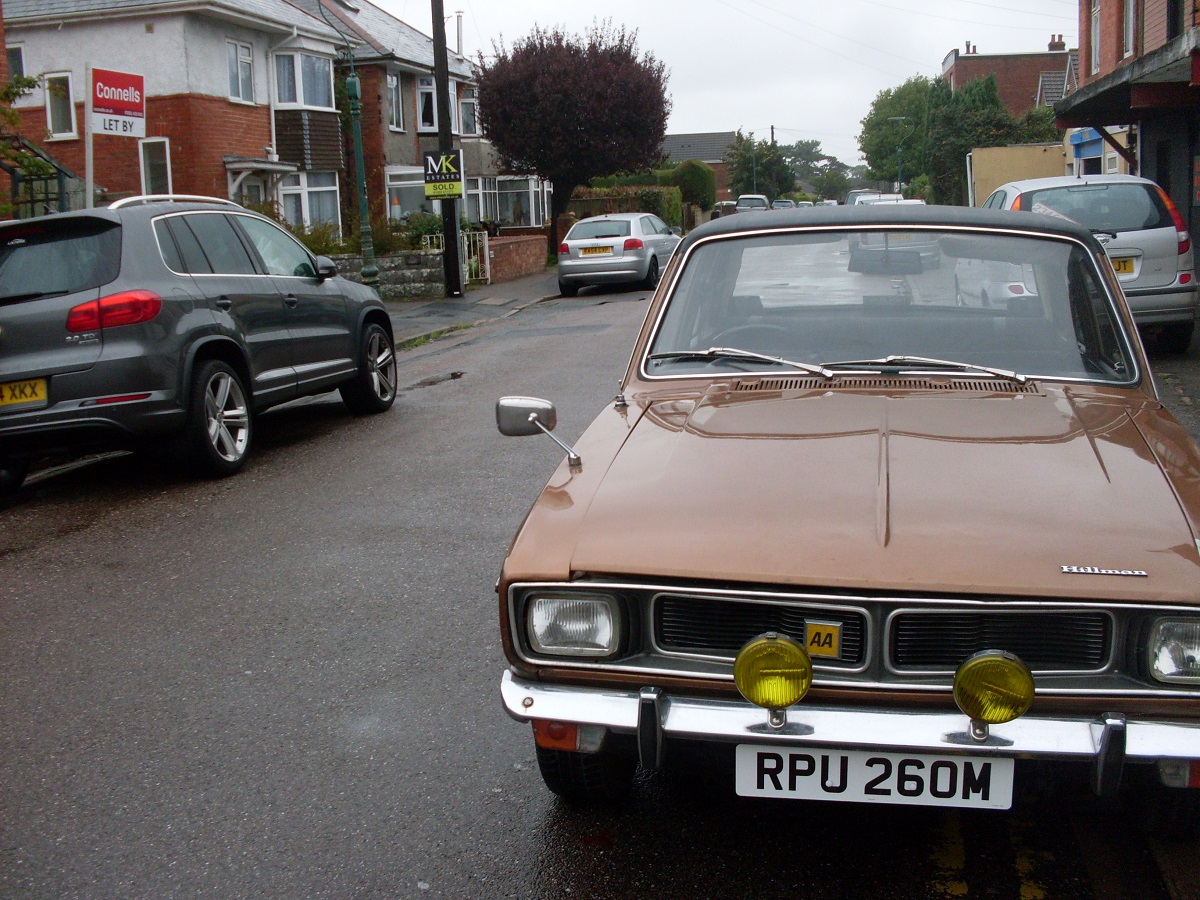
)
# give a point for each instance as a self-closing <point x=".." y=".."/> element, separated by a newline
<point x="394" y="63"/>
<point x="239" y="97"/>
<point x="1140" y="63"/>
<point x="1023" y="79"/>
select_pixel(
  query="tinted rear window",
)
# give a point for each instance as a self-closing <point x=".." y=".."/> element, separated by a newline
<point x="1103" y="207"/>
<point x="586" y="230"/>
<point x="58" y="258"/>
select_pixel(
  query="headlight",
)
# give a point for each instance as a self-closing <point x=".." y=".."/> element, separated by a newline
<point x="773" y="671"/>
<point x="1175" y="650"/>
<point x="993" y="687"/>
<point x="574" y="625"/>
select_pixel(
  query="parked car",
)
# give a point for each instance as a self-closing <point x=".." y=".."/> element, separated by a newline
<point x="801" y="204"/>
<point x="179" y="319"/>
<point x="614" y="249"/>
<point x="862" y="542"/>
<point x="752" y="203"/>
<point x="783" y="203"/>
<point x="827" y="203"/>
<point x="868" y="199"/>
<point x="1143" y="233"/>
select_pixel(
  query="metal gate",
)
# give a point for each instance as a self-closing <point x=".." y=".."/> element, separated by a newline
<point x="473" y="254"/>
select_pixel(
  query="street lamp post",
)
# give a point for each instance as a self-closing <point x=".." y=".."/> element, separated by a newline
<point x="912" y="126"/>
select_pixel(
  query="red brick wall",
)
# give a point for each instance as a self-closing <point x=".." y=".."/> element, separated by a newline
<point x="374" y="125"/>
<point x="1017" y="75"/>
<point x="3" y="48"/>
<point x="202" y="131"/>
<point x="516" y="257"/>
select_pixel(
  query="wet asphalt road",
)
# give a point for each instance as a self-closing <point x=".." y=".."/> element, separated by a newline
<point x="286" y="684"/>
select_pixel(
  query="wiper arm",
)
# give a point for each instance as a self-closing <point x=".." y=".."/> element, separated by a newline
<point x="32" y="295"/>
<point x="738" y="353"/>
<point x="927" y="362"/>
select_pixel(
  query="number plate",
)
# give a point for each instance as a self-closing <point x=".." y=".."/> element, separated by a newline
<point x="23" y="393"/>
<point x="863" y="776"/>
<point x="596" y="251"/>
<point x="1123" y="266"/>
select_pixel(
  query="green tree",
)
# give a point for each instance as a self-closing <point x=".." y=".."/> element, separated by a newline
<point x="897" y="121"/>
<point x="805" y="157"/>
<point x="758" y="167"/>
<point x="547" y="105"/>
<point x="960" y="121"/>
<point x="697" y="183"/>
<point x="1038" y="127"/>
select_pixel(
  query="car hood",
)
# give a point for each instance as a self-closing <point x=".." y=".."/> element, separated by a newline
<point x="916" y="491"/>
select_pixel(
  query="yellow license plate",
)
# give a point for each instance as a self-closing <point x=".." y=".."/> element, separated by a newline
<point x="1123" y="266"/>
<point x="596" y="251"/>
<point x="18" y="393"/>
<point x="823" y="638"/>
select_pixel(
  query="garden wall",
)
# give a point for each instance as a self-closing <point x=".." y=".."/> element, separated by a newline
<point x="407" y="275"/>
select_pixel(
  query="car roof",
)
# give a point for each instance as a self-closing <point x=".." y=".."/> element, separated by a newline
<point x="890" y="214"/>
<point x="1033" y="184"/>
<point x="609" y="217"/>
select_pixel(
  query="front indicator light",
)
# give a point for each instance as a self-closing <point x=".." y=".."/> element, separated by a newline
<point x="773" y="671"/>
<point x="1175" y="651"/>
<point x="993" y="687"/>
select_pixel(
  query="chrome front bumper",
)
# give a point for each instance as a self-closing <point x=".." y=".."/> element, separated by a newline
<point x="1107" y="742"/>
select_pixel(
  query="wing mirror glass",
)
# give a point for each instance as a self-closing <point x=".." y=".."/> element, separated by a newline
<point x="520" y="416"/>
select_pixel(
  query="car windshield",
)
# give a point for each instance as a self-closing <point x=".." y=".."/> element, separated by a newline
<point x="840" y="299"/>
<point x="1103" y="207"/>
<point x="605" y="228"/>
<point x="60" y="256"/>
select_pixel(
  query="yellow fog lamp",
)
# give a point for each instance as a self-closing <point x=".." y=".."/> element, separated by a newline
<point x="992" y="687"/>
<point x="773" y="671"/>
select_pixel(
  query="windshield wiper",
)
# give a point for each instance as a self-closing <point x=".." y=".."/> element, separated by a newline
<point x="32" y="295"/>
<point x="738" y="353"/>
<point x="925" y="362"/>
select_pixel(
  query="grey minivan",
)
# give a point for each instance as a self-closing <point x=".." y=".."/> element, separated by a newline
<point x="173" y="318"/>
<point x="1143" y="233"/>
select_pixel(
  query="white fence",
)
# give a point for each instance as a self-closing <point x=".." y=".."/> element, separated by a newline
<point x="473" y="254"/>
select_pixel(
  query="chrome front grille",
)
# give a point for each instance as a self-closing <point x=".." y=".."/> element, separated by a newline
<point x="929" y="641"/>
<point x="708" y="626"/>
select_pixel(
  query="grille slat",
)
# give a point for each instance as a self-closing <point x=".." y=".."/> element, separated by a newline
<point x="874" y="383"/>
<point x="1046" y="641"/>
<point x="715" y="627"/>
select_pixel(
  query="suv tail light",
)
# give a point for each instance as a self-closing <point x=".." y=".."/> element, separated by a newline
<point x="634" y="244"/>
<point x="1185" y="239"/>
<point x="125" y="308"/>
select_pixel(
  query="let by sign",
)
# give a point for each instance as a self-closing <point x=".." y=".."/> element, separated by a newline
<point x="118" y="103"/>
<point x="443" y="174"/>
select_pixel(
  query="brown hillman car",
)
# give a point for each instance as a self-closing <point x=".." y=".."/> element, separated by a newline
<point x="876" y="544"/>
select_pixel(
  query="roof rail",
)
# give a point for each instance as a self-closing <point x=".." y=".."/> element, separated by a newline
<point x="169" y="198"/>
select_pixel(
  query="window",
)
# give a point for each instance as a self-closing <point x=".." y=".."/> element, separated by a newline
<point x="281" y="253"/>
<point x="241" y="71"/>
<point x="1095" y="37"/>
<point x="1110" y="163"/>
<point x="427" y="105"/>
<point x="1129" y="21"/>
<point x="16" y="62"/>
<point x="406" y="191"/>
<point x="395" y="109"/>
<point x="222" y="247"/>
<point x="1175" y="19"/>
<point x="311" y="198"/>
<point x="60" y="106"/>
<point x="483" y="200"/>
<point x="155" y="154"/>
<point x="468" y="112"/>
<point x="304" y="80"/>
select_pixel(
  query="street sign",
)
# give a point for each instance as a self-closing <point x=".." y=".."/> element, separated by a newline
<point x="443" y="175"/>
<point x="118" y="103"/>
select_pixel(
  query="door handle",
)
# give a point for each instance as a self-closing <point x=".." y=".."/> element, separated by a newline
<point x="224" y="302"/>
<point x="290" y="301"/>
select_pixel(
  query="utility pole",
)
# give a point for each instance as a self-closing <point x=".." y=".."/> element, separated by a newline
<point x="441" y="82"/>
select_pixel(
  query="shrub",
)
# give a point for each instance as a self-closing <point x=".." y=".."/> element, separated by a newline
<point x="664" y="202"/>
<point x="697" y="183"/>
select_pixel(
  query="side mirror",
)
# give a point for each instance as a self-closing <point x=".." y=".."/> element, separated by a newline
<point x="515" y="416"/>
<point x="677" y="231"/>
<point x="326" y="268"/>
<point x="520" y="416"/>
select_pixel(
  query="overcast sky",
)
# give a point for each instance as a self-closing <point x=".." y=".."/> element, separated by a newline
<point x="811" y="68"/>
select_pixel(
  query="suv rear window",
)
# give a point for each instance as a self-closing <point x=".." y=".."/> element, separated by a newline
<point x="1103" y="207"/>
<point x="60" y="257"/>
<point x="586" y="230"/>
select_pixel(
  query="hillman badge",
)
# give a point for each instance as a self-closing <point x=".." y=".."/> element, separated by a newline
<point x="1092" y="570"/>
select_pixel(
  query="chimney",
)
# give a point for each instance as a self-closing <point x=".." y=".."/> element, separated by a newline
<point x="1057" y="45"/>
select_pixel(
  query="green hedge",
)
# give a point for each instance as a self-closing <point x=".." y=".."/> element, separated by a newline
<point x="664" y="202"/>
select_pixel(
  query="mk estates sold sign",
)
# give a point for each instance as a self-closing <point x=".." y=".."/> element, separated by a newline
<point x="118" y="103"/>
<point x="443" y="174"/>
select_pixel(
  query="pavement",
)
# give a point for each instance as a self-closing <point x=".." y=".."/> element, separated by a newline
<point x="415" y="321"/>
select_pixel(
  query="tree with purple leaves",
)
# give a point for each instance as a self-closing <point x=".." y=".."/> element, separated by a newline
<point x="569" y="108"/>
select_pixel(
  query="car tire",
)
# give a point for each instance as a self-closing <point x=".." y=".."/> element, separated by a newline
<point x="373" y="388"/>
<point x="217" y="434"/>
<point x="651" y="280"/>
<point x="567" y="290"/>
<point x="586" y="778"/>
<point x="12" y="474"/>
<point x="1176" y="337"/>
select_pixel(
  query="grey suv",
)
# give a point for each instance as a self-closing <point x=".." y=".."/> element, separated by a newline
<point x="173" y="318"/>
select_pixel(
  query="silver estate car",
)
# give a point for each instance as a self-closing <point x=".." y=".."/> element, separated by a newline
<point x="1143" y="233"/>
<point x="614" y="249"/>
